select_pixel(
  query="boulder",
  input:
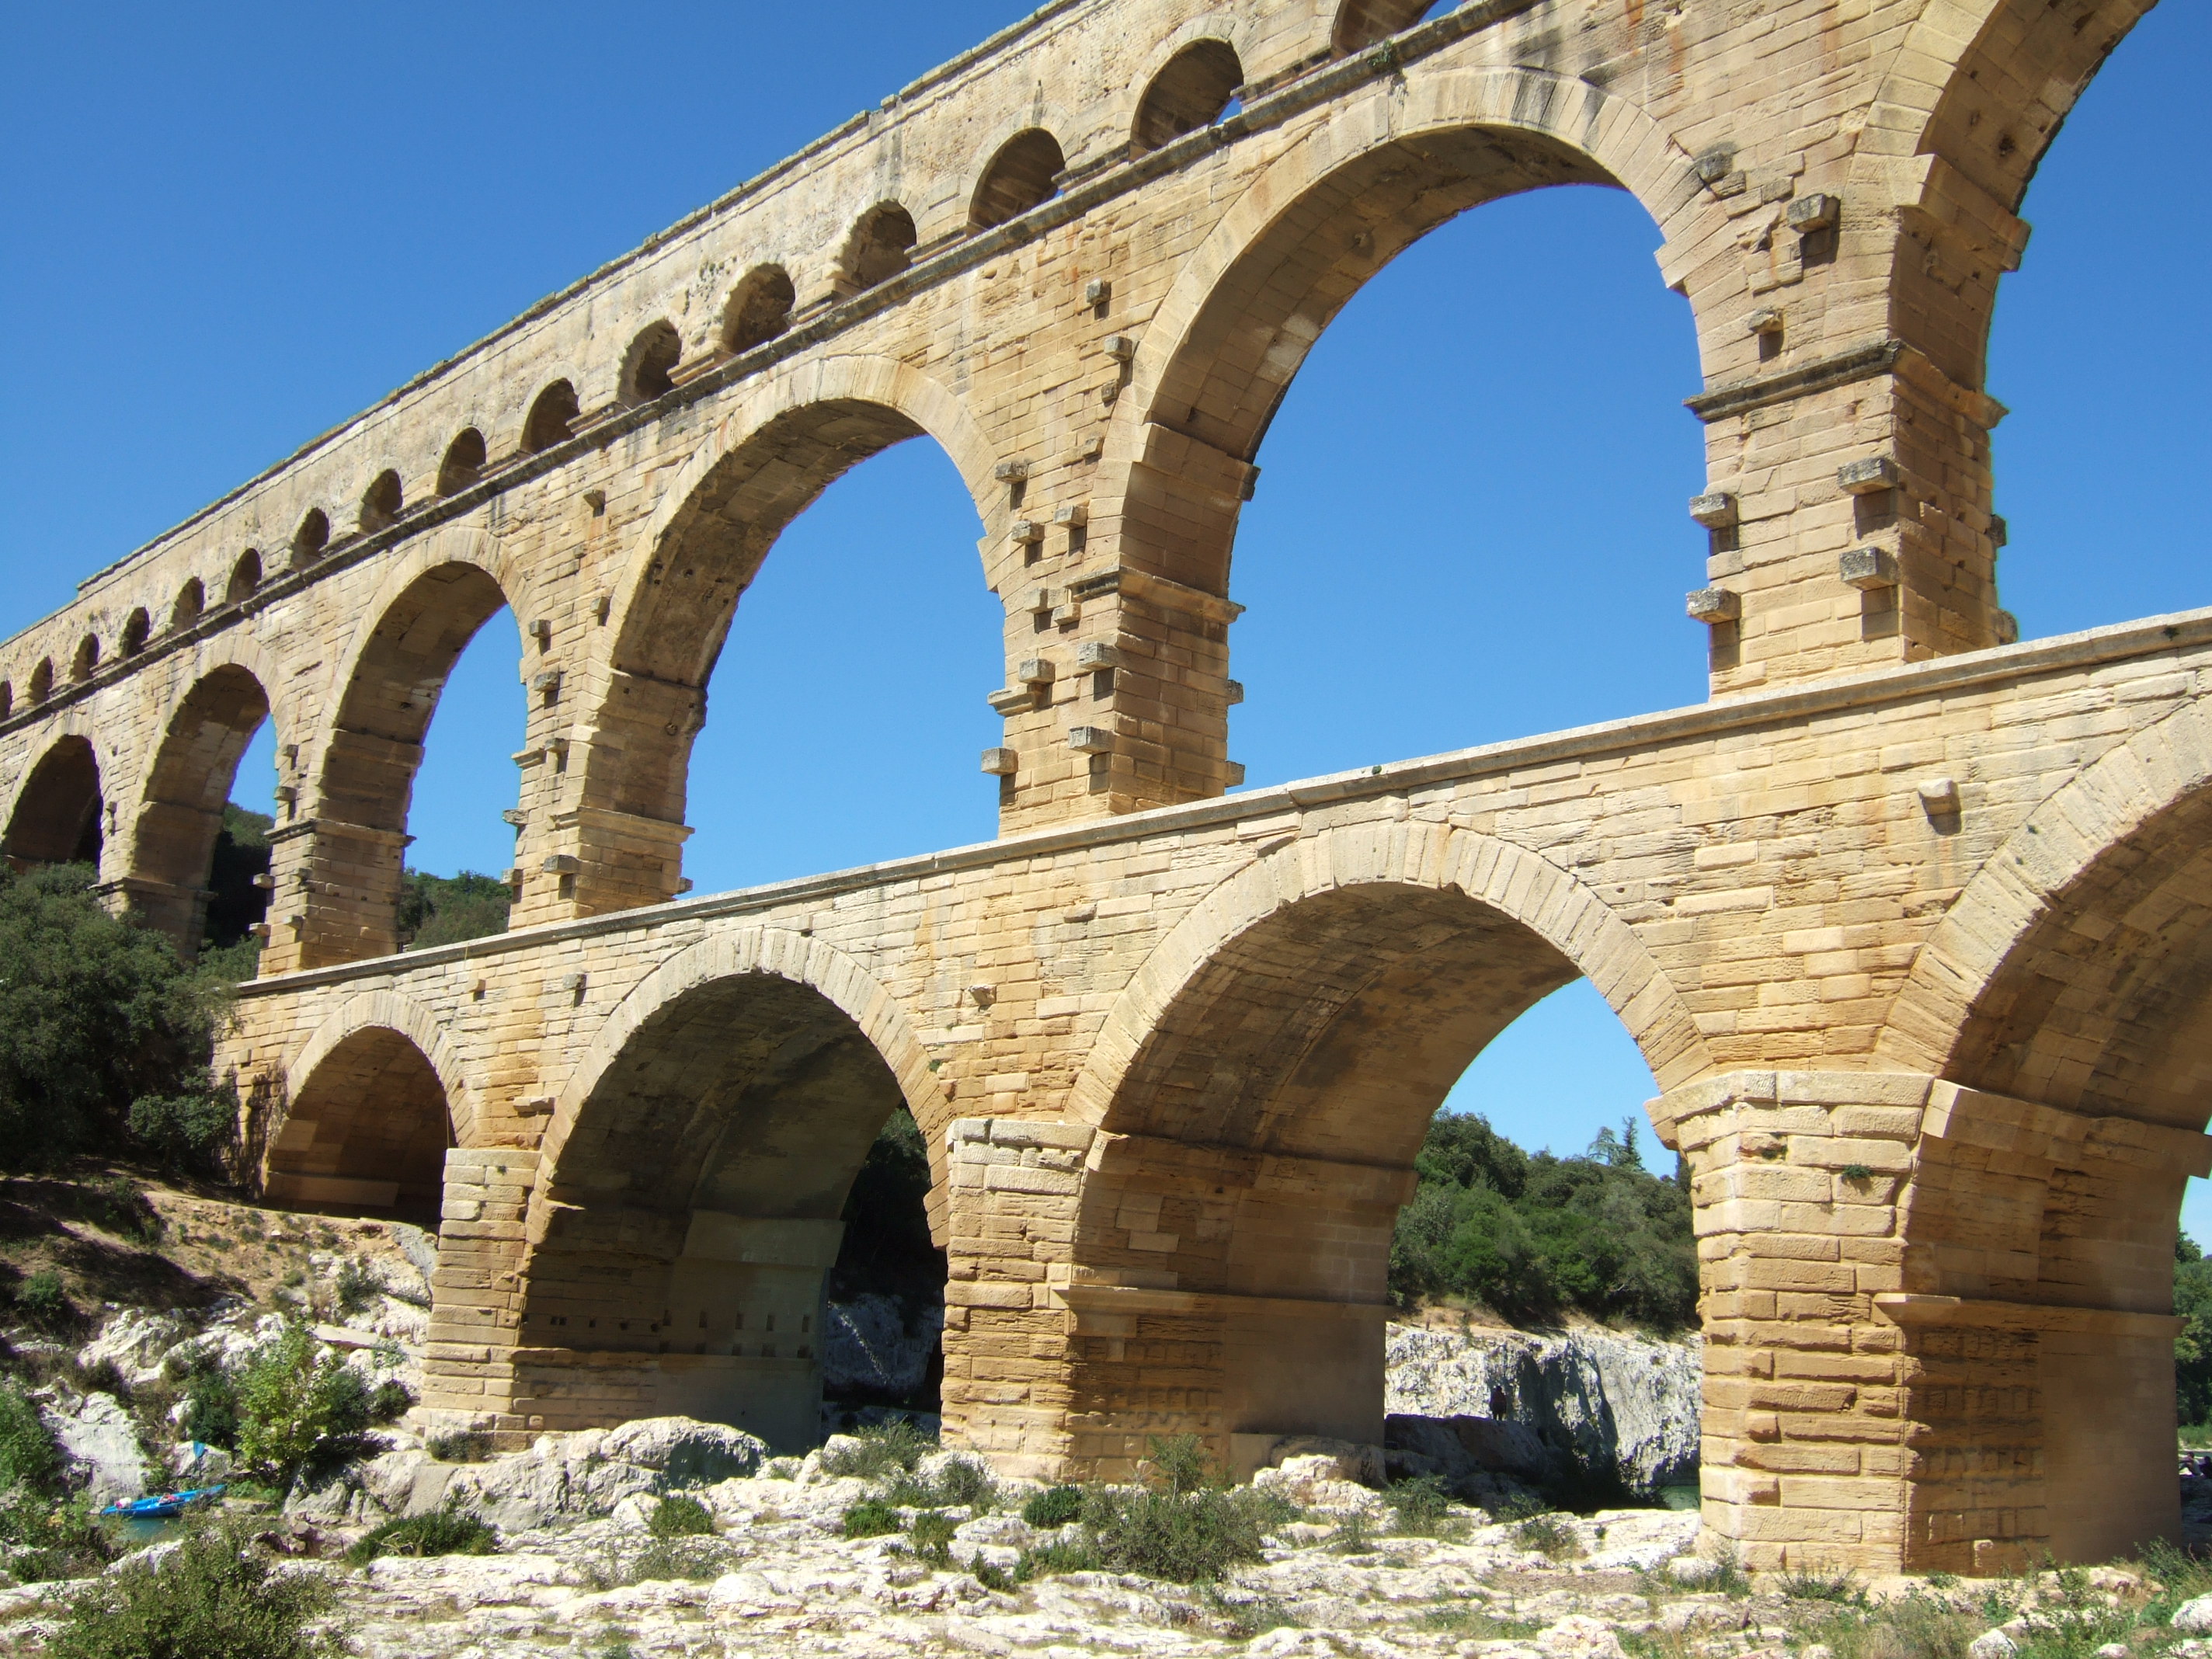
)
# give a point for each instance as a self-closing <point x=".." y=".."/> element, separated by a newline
<point x="1992" y="1645"/>
<point x="101" y="1444"/>
<point x="2194" y="1617"/>
<point x="684" y="1451"/>
<point x="136" y="1343"/>
<point x="1602" y="1402"/>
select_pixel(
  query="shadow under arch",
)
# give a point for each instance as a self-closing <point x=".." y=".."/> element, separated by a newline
<point x="422" y="620"/>
<point x="1303" y="238"/>
<point x="799" y="433"/>
<point x="1261" y="1092"/>
<point x="56" y="817"/>
<point x="692" y="1185"/>
<point x="181" y="810"/>
<point x="368" y="1125"/>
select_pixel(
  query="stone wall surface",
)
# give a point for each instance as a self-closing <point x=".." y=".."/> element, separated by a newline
<point x="1908" y="919"/>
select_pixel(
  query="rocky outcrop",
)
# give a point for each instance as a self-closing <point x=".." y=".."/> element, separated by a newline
<point x="99" y="1443"/>
<point x="879" y="1347"/>
<point x="1548" y="1407"/>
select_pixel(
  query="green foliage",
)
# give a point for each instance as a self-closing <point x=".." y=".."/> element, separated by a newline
<point x="1055" y="1506"/>
<point x="1532" y="1236"/>
<point x="682" y="1518"/>
<point x="1421" y="1504"/>
<point x="192" y="1131"/>
<point x="1178" y="1462"/>
<point x="871" y="1518"/>
<point x="1552" y="1536"/>
<point x="355" y="1287"/>
<point x="892" y="1448"/>
<point x="441" y="1531"/>
<point x="960" y="1480"/>
<point x="213" y="1598"/>
<point x="119" y="1205"/>
<point x="28" y="1457"/>
<point x="51" y="1539"/>
<point x="43" y="1300"/>
<point x="1812" y="1584"/>
<point x="446" y="909"/>
<point x="389" y="1400"/>
<point x="295" y="1408"/>
<point x="932" y="1537"/>
<point x="2193" y="1344"/>
<point x="95" y="1014"/>
<point x="462" y="1446"/>
<point x="235" y="904"/>
<point x="211" y="1407"/>
<point x="1186" y="1537"/>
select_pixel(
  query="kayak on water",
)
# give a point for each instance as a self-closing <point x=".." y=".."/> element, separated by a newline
<point x="161" y="1506"/>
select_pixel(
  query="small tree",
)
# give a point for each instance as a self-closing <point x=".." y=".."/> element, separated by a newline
<point x="295" y="1406"/>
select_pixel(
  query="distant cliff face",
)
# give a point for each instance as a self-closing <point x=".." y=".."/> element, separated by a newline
<point x="1586" y="1400"/>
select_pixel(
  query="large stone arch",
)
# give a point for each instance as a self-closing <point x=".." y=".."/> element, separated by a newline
<point x="373" y="1101"/>
<point x="428" y="607"/>
<point x="793" y="434"/>
<point x="1440" y="140"/>
<point x="692" y="1185"/>
<point x="1261" y="1093"/>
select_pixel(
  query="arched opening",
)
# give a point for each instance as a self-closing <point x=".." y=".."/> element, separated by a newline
<point x="1191" y="91"/>
<point x="369" y="770"/>
<point x="87" y="658"/>
<point x="42" y="680"/>
<point x="175" y="881"/>
<point x="1020" y="176"/>
<point x="57" y="818"/>
<point x="135" y="629"/>
<point x="877" y="249"/>
<point x="367" y="1134"/>
<point x="648" y="367"/>
<point x="758" y="309"/>
<point x="245" y="578"/>
<point x="551" y="418"/>
<point x="382" y="503"/>
<point x="693" y="1210"/>
<point x="1352" y="306"/>
<point x="7" y="699"/>
<point x="1238" y="1229"/>
<point x="312" y="536"/>
<point x="192" y="600"/>
<point x="1362" y="23"/>
<point x="2095" y="452"/>
<point x="2099" y="1019"/>
<point x="463" y="462"/>
<point x="885" y="562"/>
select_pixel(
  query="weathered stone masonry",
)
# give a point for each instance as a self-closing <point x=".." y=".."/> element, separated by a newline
<point x="1907" y="921"/>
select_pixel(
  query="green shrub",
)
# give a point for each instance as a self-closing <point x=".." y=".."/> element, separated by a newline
<point x="960" y="1480"/>
<point x="441" y="1531"/>
<point x="445" y="909"/>
<point x="213" y="1598"/>
<point x="294" y="1408"/>
<point x="43" y="1300"/>
<point x="871" y="1518"/>
<point x="1549" y="1535"/>
<point x="356" y="1288"/>
<point x="28" y="1455"/>
<point x="390" y="1401"/>
<point x="891" y="1448"/>
<point x="462" y="1446"/>
<point x="682" y="1518"/>
<point x="194" y="1130"/>
<point x="52" y="1540"/>
<point x="1078" y="1554"/>
<point x="932" y="1537"/>
<point x="120" y="1205"/>
<point x="1186" y="1537"/>
<point x="211" y="1407"/>
<point x="1055" y="1506"/>
<point x="1810" y="1584"/>
<point x="1421" y="1504"/>
<point x="1178" y="1462"/>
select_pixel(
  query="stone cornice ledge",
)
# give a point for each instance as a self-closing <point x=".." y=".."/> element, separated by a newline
<point x="1791" y="705"/>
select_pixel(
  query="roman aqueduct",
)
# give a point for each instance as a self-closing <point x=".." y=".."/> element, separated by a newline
<point x="1909" y="918"/>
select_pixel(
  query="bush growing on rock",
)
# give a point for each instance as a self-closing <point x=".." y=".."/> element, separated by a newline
<point x="1187" y="1527"/>
<point x="43" y="1300"/>
<point x="28" y="1457"/>
<point x="210" y="1406"/>
<point x="441" y="1531"/>
<point x="682" y="1517"/>
<point x="213" y="1598"/>
<point x="1055" y="1506"/>
<point x="892" y="1448"/>
<point x="871" y="1518"/>
<point x="296" y="1406"/>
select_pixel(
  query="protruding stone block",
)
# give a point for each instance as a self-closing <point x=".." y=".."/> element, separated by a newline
<point x="1716" y="511"/>
<point x="1866" y="477"/>
<point x="1867" y="569"/>
<point x="1713" y="605"/>
<point x="1000" y="763"/>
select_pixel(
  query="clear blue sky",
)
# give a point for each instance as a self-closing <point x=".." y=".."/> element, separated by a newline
<point x="229" y="227"/>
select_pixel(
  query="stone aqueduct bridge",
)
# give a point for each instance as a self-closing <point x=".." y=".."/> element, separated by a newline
<point x="1909" y="920"/>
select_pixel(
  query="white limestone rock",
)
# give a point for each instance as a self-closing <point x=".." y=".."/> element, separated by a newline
<point x="136" y="1343"/>
<point x="2194" y="1617"/>
<point x="1992" y="1645"/>
<point x="100" y="1443"/>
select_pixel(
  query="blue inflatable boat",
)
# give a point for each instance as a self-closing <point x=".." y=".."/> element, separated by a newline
<point x="162" y="1506"/>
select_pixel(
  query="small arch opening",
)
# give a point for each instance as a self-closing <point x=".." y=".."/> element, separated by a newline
<point x="312" y="536"/>
<point x="367" y="1133"/>
<point x="758" y="310"/>
<point x="1021" y="176"/>
<point x="880" y="248"/>
<point x="648" y="369"/>
<point x="244" y="577"/>
<point x="136" y="631"/>
<point x="42" y="680"/>
<point x="382" y="504"/>
<point x="552" y="418"/>
<point x="87" y="658"/>
<point x="191" y="599"/>
<point x="1362" y="23"/>
<point x="57" y="818"/>
<point x="1191" y="90"/>
<point x="7" y="699"/>
<point x="463" y="462"/>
